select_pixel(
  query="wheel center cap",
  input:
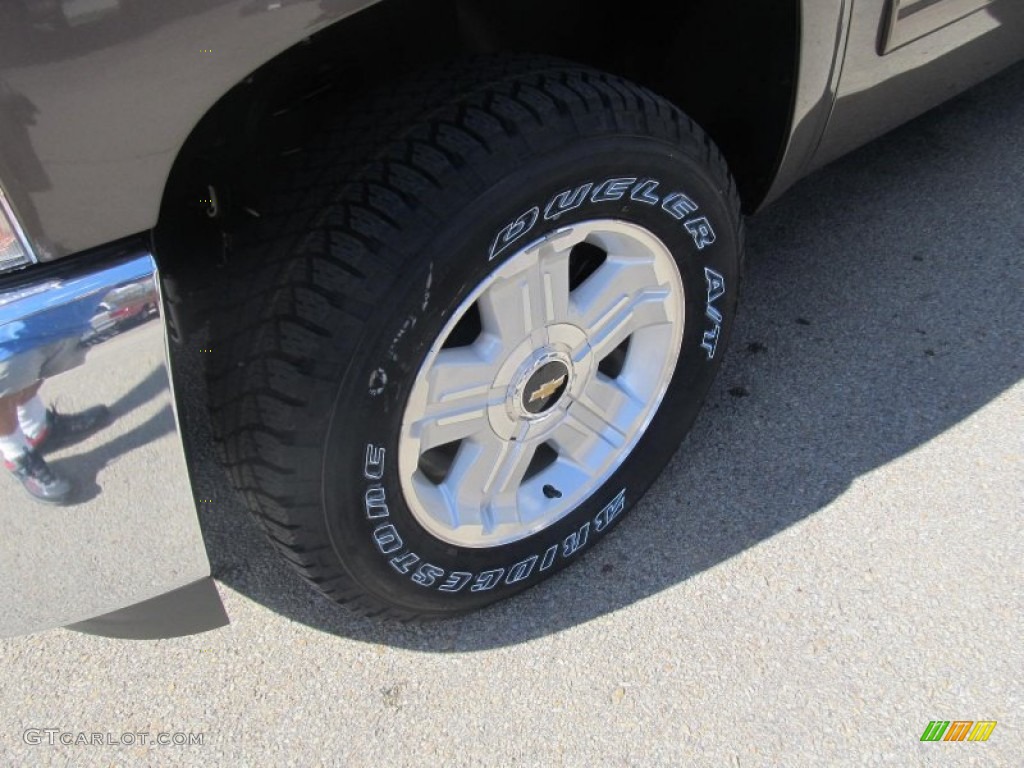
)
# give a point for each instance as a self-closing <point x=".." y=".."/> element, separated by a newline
<point x="540" y="385"/>
<point x="545" y="387"/>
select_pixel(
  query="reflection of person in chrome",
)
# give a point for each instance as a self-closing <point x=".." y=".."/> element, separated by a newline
<point x="30" y="352"/>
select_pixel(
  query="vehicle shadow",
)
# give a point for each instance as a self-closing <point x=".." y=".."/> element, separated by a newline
<point x="883" y="305"/>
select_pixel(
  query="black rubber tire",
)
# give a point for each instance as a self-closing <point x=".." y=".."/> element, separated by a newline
<point x="375" y="234"/>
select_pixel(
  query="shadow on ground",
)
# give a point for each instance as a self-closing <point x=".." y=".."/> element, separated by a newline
<point x="884" y="304"/>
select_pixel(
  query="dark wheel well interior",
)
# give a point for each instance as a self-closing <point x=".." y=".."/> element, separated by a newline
<point x="731" y="65"/>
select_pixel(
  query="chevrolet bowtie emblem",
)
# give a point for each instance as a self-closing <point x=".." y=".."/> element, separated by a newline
<point x="547" y="390"/>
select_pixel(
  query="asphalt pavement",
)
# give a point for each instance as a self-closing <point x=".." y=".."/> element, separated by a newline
<point x="833" y="559"/>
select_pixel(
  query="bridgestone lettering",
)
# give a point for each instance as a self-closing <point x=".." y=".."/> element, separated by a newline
<point x="408" y="563"/>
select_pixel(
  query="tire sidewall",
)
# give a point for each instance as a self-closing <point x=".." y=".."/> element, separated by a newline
<point x="644" y="181"/>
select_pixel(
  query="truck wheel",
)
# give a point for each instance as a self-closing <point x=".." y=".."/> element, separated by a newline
<point x="457" y="352"/>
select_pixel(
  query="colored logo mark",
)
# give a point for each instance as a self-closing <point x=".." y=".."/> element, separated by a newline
<point x="958" y="730"/>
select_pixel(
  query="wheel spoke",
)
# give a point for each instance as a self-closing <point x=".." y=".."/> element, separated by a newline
<point x="620" y="298"/>
<point x="459" y="391"/>
<point x="550" y="281"/>
<point x="611" y="402"/>
<point x="596" y="422"/>
<point x="521" y="305"/>
<point x="640" y="311"/>
<point x="578" y="444"/>
<point x="484" y="481"/>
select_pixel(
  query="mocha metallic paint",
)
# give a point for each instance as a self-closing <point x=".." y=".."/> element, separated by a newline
<point x="104" y="107"/>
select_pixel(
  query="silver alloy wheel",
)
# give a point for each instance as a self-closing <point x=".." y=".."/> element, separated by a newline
<point x="541" y="383"/>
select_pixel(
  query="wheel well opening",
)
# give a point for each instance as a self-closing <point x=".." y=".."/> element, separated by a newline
<point x="730" y="65"/>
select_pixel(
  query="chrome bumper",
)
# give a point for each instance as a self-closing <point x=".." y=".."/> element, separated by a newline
<point x="129" y="533"/>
